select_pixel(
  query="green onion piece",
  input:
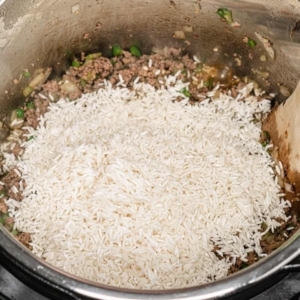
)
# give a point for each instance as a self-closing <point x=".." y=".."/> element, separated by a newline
<point x="185" y="92"/>
<point x="25" y="73"/>
<point x="135" y="51"/>
<point x="93" y="56"/>
<point x="20" y="113"/>
<point x="14" y="232"/>
<point x="251" y="43"/>
<point x="264" y="144"/>
<point x="116" y="50"/>
<point x="30" y="138"/>
<point x="76" y="63"/>
<point x="226" y="14"/>
<point x="30" y="105"/>
<point x="27" y="91"/>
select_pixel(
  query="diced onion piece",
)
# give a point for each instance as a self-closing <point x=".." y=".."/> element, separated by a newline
<point x="288" y="188"/>
<point x="40" y="79"/>
<point x="69" y="87"/>
<point x="284" y="90"/>
<point x="179" y="34"/>
<point x="267" y="45"/>
<point x="188" y="28"/>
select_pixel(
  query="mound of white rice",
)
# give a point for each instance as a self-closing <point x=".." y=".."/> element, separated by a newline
<point x="135" y="189"/>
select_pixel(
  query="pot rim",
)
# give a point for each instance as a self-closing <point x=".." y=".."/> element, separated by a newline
<point x="14" y="251"/>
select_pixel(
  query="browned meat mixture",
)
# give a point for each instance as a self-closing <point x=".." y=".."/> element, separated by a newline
<point x="90" y="72"/>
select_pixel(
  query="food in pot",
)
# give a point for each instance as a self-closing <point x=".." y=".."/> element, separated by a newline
<point x="144" y="171"/>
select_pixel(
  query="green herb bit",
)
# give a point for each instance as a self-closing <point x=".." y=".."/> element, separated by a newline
<point x="209" y="83"/>
<point x="30" y="105"/>
<point x="26" y="73"/>
<point x="20" y="113"/>
<point x="27" y="91"/>
<point x="116" y="50"/>
<point x="185" y="92"/>
<point x="30" y="138"/>
<point x="264" y="226"/>
<point x="244" y="265"/>
<point x="135" y="51"/>
<point x="251" y="43"/>
<point x="267" y="135"/>
<point x="76" y="63"/>
<point x="93" y="56"/>
<point x="264" y="143"/>
<point x="225" y="14"/>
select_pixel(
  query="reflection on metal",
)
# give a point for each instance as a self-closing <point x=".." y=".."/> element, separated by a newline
<point x="48" y="33"/>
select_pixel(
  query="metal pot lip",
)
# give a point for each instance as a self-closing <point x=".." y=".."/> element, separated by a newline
<point x="224" y="287"/>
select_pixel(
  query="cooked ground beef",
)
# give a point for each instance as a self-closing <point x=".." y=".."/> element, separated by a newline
<point x="25" y="239"/>
<point x="11" y="180"/>
<point x="3" y="208"/>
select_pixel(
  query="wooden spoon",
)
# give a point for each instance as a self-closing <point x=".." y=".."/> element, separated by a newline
<point x="283" y="126"/>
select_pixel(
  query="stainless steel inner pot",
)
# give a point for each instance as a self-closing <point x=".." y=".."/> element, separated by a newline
<point x="40" y="33"/>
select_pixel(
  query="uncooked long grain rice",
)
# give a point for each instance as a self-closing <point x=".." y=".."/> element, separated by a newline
<point x="136" y="191"/>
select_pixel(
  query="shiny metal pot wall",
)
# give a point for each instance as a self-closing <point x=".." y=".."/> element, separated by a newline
<point x="48" y="33"/>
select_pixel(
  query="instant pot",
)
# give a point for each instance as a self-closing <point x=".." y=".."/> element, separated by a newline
<point x="40" y="33"/>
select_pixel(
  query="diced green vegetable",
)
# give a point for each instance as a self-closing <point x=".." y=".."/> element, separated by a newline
<point x="267" y="135"/>
<point x="135" y="51"/>
<point x="244" y="265"/>
<point x="27" y="91"/>
<point x="26" y="73"/>
<point x="90" y="76"/>
<point x="117" y="50"/>
<point x="3" y="193"/>
<point x="20" y="113"/>
<point x="2" y="218"/>
<point x="93" y="56"/>
<point x="30" y="105"/>
<point x="83" y="82"/>
<point x="185" y="92"/>
<point x="226" y="14"/>
<point x="199" y="67"/>
<point x="251" y="43"/>
<point x="264" y="143"/>
<point x="264" y="226"/>
<point x="112" y="62"/>
<point x="30" y="138"/>
<point x="14" y="232"/>
<point x="76" y="63"/>
<point x="209" y="83"/>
